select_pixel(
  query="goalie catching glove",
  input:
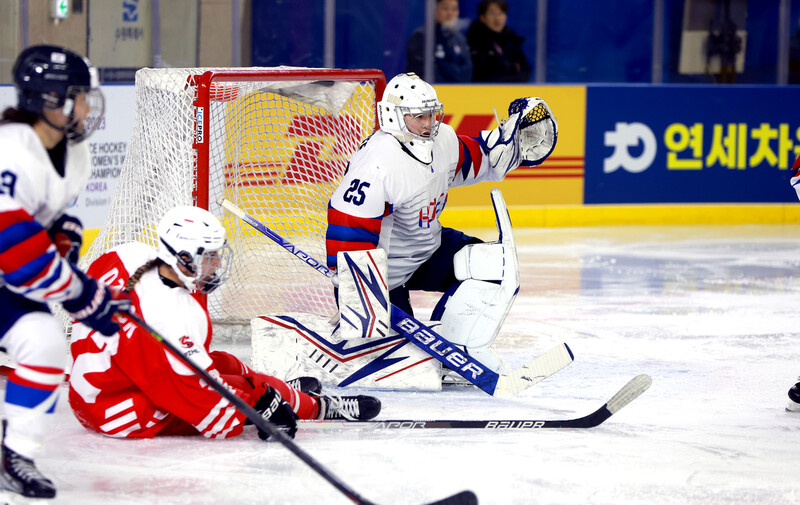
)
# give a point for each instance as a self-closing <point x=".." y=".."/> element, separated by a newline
<point x="538" y="130"/>
<point x="276" y="411"/>
<point x="526" y="138"/>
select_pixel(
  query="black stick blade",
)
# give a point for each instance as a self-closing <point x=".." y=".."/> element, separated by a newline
<point x="462" y="498"/>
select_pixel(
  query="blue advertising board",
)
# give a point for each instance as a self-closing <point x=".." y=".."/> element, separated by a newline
<point x="691" y="144"/>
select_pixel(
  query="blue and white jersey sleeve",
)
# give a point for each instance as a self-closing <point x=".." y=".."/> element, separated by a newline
<point x="472" y="165"/>
<point x="357" y="208"/>
<point x="33" y="195"/>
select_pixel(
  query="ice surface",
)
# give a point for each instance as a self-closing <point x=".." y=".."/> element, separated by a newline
<point x="708" y="312"/>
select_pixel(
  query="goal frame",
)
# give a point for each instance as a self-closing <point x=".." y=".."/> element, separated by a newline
<point x="204" y="87"/>
<point x="176" y="138"/>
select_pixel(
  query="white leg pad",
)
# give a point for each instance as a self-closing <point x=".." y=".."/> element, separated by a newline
<point x="490" y="358"/>
<point x="480" y="261"/>
<point x="476" y="311"/>
<point x="294" y="345"/>
<point x="363" y="294"/>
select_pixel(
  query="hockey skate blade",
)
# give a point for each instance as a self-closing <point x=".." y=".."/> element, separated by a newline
<point x="631" y="391"/>
<point x="792" y="407"/>
<point x="534" y="372"/>
<point x="462" y="498"/>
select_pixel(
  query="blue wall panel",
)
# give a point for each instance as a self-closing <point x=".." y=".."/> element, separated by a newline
<point x="690" y="144"/>
<point x="587" y="41"/>
<point x="288" y="32"/>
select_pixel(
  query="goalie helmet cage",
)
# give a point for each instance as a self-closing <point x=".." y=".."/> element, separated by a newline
<point x="275" y="141"/>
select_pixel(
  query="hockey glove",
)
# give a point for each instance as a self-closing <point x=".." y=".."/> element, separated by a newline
<point x="501" y="145"/>
<point x="67" y="234"/>
<point x="276" y="411"/>
<point x="538" y="130"/>
<point x="96" y="305"/>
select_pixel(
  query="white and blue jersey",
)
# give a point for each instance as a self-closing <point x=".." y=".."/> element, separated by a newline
<point x="391" y="200"/>
<point x="33" y="194"/>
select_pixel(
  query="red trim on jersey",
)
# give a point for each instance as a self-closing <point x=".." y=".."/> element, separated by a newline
<point x="360" y="233"/>
<point x="339" y="218"/>
<point x="10" y="217"/>
<point x="60" y="288"/>
<point x="460" y="157"/>
<point x="474" y="151"/>
<point x="23" y="252"/>
<point x="43" y="369"/>
<point x="337" y="246"/>
<point x="16" y="379"/>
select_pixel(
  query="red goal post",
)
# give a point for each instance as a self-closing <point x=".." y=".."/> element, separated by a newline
<point x="275" y="141"/>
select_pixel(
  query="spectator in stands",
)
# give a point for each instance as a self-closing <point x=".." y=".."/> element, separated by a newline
<point x="497" y="54"/>
<point x="452" y="60"/>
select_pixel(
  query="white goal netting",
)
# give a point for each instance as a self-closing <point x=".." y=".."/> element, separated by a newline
<point x="273" y="141"/>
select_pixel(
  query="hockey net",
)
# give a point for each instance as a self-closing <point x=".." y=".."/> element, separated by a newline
<point x="274" y="141"/>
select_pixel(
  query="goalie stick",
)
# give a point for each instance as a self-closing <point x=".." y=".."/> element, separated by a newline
<point x="627" y="394"/>
<point x="432" y="342"/>
<point x="462" y="498"/>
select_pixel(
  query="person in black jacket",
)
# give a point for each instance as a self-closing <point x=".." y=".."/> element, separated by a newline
<point x="452" y="60"/>
<point x="497" y="54"/>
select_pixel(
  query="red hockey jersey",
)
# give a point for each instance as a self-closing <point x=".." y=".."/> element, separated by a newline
<point x="129" y="385"/>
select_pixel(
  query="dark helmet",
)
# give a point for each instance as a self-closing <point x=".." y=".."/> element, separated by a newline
<point x="51" y="77"/>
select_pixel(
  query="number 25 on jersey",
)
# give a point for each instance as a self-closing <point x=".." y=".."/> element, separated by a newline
<point x="355" y="193"/>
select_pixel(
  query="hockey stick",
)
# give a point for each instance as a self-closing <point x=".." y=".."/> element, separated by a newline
<point x="432" y="342"/>
<point x="462" y="498"/>
<point x="627" y="394"/>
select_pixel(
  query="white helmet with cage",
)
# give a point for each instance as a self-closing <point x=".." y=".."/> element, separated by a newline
<point x="411" y="111"/>
<point x="192" y="238"/>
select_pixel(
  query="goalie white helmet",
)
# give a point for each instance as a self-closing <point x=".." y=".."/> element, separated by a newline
<point x="411" y="111"/>
<point x="192" y="238"/>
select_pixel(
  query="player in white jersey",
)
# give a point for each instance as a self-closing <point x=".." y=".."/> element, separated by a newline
<point x="130" y="385"/>
<point x="43" y="168"/>
<point x="397" y="183"/>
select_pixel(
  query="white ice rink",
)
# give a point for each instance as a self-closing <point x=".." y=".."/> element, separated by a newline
<point x="710" y="313"/>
